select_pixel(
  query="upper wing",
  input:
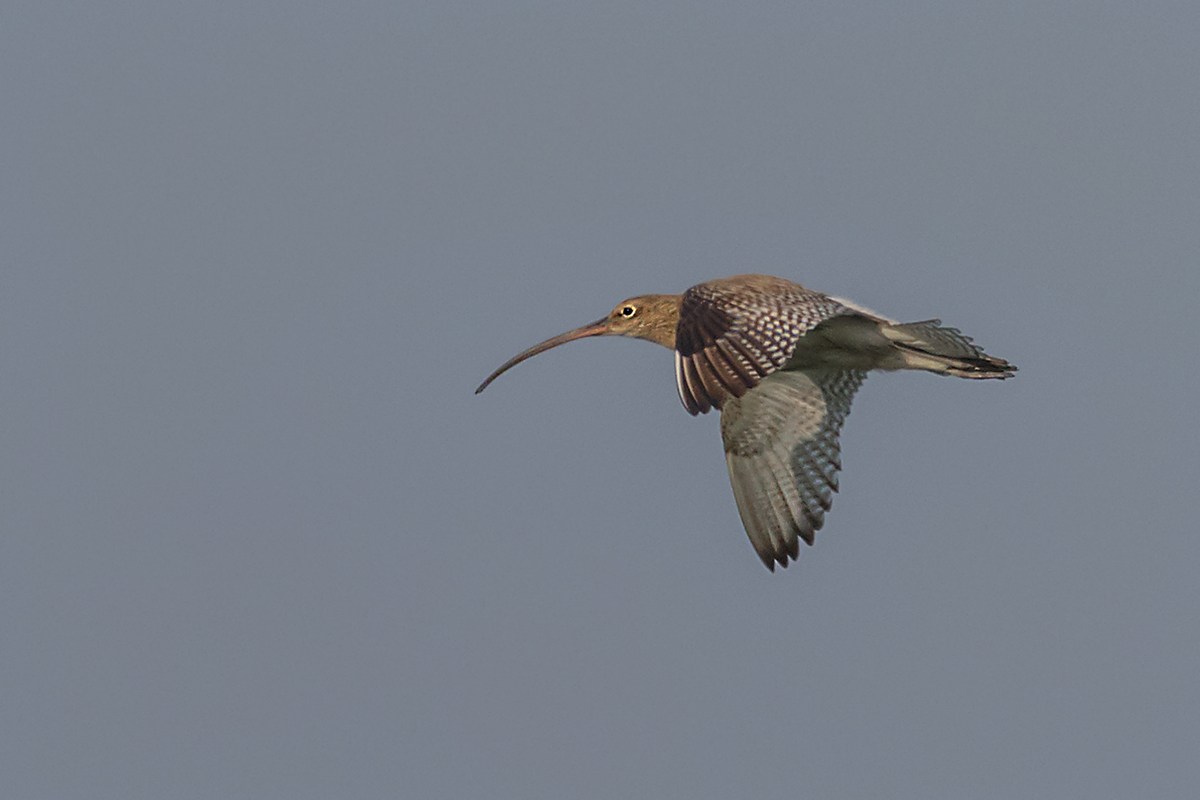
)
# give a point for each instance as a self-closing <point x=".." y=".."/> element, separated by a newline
<point x="733" y="332"/>
<point x="781" y="447"/>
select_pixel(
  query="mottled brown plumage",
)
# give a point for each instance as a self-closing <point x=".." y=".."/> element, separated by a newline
<point x="782" y="363"/>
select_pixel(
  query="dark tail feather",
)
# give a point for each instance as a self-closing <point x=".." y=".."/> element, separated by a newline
<point x="928" y="345"/>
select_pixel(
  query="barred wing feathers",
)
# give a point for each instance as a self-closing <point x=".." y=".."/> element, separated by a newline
<point x="734" y="332"/>
<point x="781" y="447"/>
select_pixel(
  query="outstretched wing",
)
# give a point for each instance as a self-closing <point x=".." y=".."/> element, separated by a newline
<point x="781" y="446"/>
<point x="734" y="332"/>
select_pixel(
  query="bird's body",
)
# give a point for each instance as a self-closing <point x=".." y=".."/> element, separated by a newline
<point x="781" y="363"/>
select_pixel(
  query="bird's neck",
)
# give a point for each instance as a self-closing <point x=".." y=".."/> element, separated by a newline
<point x="660" y="319"/>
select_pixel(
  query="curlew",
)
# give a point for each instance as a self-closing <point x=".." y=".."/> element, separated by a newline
<point x="781" y="363"/>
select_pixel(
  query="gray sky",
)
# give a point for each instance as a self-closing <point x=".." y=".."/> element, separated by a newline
<point x="261" y="540"/>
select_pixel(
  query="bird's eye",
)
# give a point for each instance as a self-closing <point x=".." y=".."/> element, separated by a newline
<point x="628" y="311"/>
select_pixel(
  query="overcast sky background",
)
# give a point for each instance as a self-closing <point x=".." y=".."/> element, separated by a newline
<point x="260" y="540"/>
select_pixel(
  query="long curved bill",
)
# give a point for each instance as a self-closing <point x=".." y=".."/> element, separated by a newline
<point x="597" y="328"/>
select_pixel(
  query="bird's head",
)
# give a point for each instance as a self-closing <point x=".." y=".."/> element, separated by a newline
<point x="652" y="317"/>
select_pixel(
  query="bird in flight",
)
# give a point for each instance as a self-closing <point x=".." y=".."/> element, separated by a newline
<point x="781" y="363"/>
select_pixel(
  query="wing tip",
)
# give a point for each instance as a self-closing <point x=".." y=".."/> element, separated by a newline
<point x="788" y="552"/>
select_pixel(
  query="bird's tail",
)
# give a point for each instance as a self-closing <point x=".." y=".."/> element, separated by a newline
<point x="947" y="351"/>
